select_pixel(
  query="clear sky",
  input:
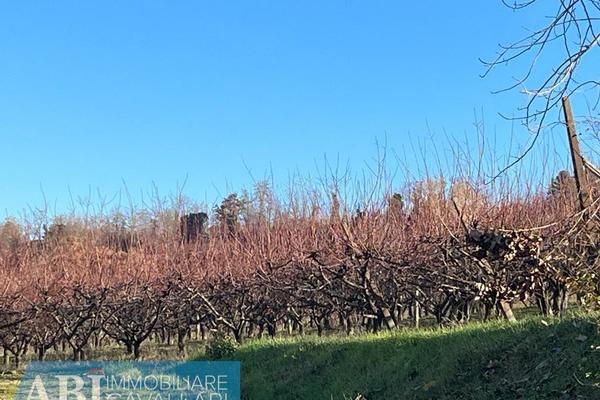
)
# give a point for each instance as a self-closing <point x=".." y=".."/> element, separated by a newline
<point x="94" y="94"/>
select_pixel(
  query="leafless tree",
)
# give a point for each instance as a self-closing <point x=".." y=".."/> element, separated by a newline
<point x="553" y="53"/>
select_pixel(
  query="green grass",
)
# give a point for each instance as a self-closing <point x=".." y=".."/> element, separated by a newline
<point x="10" y="378"/>
<point x="534" y="359"/>
<point x="8" y="384"/>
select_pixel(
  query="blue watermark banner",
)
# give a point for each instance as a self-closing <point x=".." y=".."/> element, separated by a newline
<point x="130" y="380"/>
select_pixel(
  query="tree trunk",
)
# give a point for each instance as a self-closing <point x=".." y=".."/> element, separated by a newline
<point x="181" y="341"/>
<point x="271" y="328"/>
<point x="319" y="327"/>
<point x="136" y="350"/>
<point x="238" y="335"/>
<point x="388" y="319"/>
<point x="417" y="314"/>
<point x="507" y="311"/>
<point x="77" y="354"/>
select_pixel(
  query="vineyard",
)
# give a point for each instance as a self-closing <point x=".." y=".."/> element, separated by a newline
<point x="446" y="252"/>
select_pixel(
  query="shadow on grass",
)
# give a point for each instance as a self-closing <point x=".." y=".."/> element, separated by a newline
<point x="530" y="360"/>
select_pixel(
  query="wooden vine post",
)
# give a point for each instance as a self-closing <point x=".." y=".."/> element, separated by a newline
<point x="583" y="188"/>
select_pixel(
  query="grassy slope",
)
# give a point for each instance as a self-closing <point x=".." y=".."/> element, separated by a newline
<point x="529" y="360"/>
<point x="8" y="385"/>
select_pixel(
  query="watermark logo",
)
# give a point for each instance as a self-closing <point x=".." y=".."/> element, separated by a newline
<point x="112" y="380"/>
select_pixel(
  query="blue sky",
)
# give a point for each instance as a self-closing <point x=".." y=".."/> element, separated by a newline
<point x="94" y="94"/>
